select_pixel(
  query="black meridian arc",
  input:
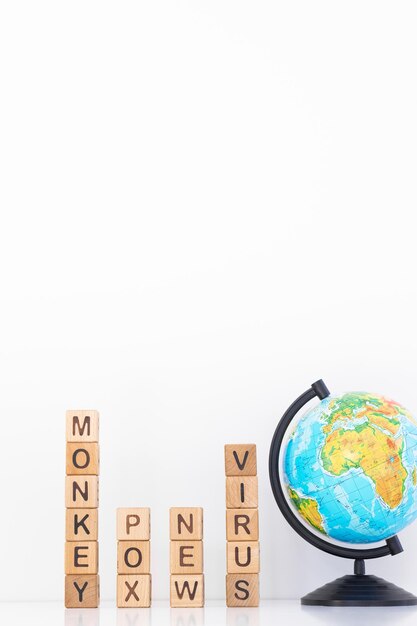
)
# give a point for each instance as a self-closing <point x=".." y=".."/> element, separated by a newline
<point x="392" y="545"/>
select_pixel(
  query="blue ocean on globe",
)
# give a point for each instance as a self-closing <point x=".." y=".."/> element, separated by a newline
<point x="350" y="467"/>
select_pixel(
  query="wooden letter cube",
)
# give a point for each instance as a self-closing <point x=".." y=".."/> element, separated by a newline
<point x="186" y="557"/>
<point x="133" y="557"/>
<point x="134" y="523"/>
<point x="241" y="492"/>
<point x="82" y="591"/>
<point x="82" y="458"/>
<point x="82" y="425"/>
<point x="81" y="525"/>
<point x="242" y="525"/>
<point x="134" y="590"/>
<point x="187" y="590"/>
<point x="242" y="589"/>
<point x="242" y="557"/>
<point x="81" y="557"/>
<point x="81" y="492"/>
<point x="186" y="523"/>
<point x="240" y="459"/>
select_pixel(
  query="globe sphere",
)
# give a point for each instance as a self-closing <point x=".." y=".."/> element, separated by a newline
<point x="350" y="467"/>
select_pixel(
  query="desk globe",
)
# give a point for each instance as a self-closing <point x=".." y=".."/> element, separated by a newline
<point x="345" y="477"/>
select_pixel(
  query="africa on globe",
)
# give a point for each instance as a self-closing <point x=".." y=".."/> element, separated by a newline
<point x="350" y="467"/>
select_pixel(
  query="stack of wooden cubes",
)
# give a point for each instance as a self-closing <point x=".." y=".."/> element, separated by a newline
<point x="82" y="587"/>
<point x="186" y="557"/>
<point x="134" y="558"/>
<point x="242" y="526"/>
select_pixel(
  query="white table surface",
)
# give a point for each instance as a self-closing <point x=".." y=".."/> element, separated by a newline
<point x="274" y="612"/>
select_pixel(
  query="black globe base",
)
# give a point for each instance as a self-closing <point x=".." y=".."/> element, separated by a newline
<point x="359" y="590"/>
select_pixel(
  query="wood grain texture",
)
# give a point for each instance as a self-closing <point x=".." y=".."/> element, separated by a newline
<point x="242" y="557"/>
<point x="187" y="590"/>
<point x="186" y="523"/>
<point x="81" y="525"/>
<point x="134" y="524"/>
<point x="134" y="590"/>
<point x="242" y="525"/>
<point x="240" y="459"/>
<point x="241" y="492"/>
<point x="82" y="458"/>
<point x="242" y="590"/>
<point x="81" y="492"/>
<point x="82" y="591"/>
<point x="82" y="425"/>
<point x="81" y="557"/>
<point x="186" y="557"/>
<point x="133" y="557"/>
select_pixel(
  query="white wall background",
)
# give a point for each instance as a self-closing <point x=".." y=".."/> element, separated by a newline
<point x="204" y="208"/>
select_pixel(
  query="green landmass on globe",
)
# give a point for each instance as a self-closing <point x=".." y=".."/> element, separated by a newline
<point x="350" y="467"/>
